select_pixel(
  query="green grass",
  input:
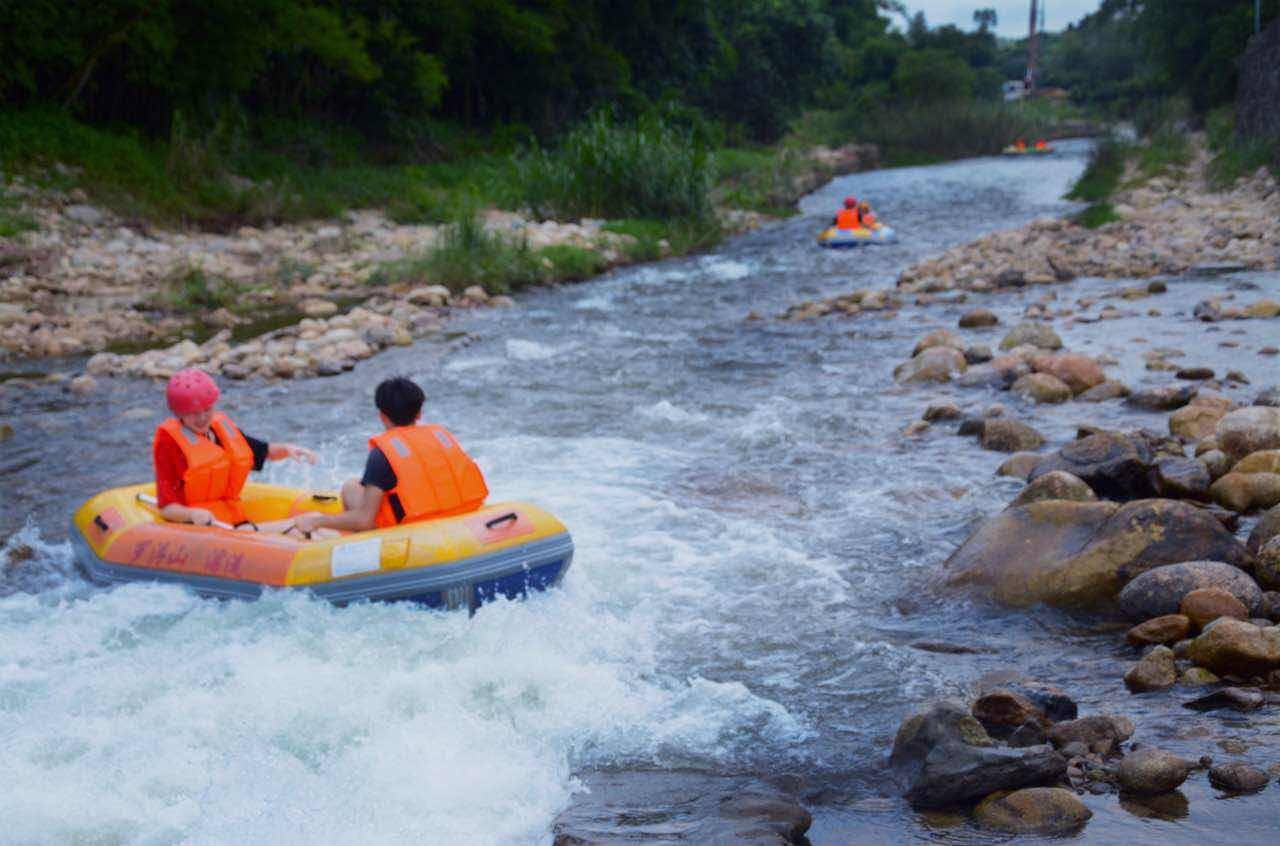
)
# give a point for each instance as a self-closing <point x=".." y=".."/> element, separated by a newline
<point x="607" y="169"/>
<point x="470" y="255"/>
<point x="1234" y="156"/>
<point x="681" y="236"/>
<point x="1101" y="177"/>
<point x="14" y="221"/>
<point x="765" y="180"/>
<point x="1166" y="150"/>
<point x="572" y="264"/>
<point x="192" y="291"/>
<point x="1098" y="214"/>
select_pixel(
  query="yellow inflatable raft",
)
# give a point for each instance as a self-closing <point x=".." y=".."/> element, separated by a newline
<point x="503" y="549"/>
<point x="836" y="238"/>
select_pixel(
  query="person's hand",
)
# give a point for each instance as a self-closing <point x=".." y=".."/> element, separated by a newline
<point x="298" y="453"/>
<point x="308" y="522"/>
<point x="200" y="516"/>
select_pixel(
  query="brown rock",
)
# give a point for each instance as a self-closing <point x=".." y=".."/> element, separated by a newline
<point x="1042" y="387"/>
<point x="1237" y="778"/>
<point x="1267" y="527"/>
<point x="1150" y="770"/>
<point x="1262" y="461"/>
<point x="942" y="411"/>
<point x="1079" y="372"/>
<point x="1002" y="711"/>
<point x="1204" y="605"/>
<point x="1234" y="647"/>
<point x="1267" y="566"/>
<point x="1249" y="429"/>
<point x="1003" y="435"/>
<point x="1169" y="628"/>
<point x="1243" y="492"/>
<point x="978" y="318"/>
<point x="938" y="338"/>
<point x="1217" y="462"/>
<point x="935" y="364"/>
<point x="1019" y="465"/>
<point x="1100" y="734"/>
<point x="1195" y="422"/>
<point x="1032" y="810"/>
<point x="1108" y="390"/>
<point x="1156" y="671"/>
<point x="1055" y="485"/>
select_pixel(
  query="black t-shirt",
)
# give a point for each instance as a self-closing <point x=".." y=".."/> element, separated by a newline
<point x="260" y="448"/>
<point x="378" y="474"/>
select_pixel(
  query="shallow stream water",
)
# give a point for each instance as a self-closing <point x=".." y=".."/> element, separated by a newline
<point x="757" y="551"/>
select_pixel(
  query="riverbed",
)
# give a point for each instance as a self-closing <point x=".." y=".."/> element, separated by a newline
<point x="757" y="551"/>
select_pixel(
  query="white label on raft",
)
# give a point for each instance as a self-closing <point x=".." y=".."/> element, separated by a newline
<point x="347" y="559"/>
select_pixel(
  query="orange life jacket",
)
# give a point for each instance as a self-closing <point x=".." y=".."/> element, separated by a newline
<point x="1040" y="145"/>
<point x="434" y="477"/>
<point x="868" y="219"/>
<point x="216" y="472"/>
<point x="848" y="219"/>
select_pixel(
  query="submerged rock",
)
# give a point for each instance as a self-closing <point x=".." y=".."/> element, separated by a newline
<point x="1082" y="553"/>
<point x="1002" y="435"/>
<point x="1237" y="777"/>
<point x="1161" y="589"/>
<point x="1236" y="698"/>
<point x="935" y="364"/>
<point x="1033" y="810"/>
<point x="1042" y="388"/>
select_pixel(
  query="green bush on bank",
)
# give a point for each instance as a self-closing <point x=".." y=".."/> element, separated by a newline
<point x="1236" y="156"/>
<point x="607" y="169"/>
<point x="1103" y="173"/>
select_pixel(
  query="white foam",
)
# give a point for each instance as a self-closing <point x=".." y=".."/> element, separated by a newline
<point x="727" y="269"/>
<point x="665" y="410"/>
<point x="522" y="350"/>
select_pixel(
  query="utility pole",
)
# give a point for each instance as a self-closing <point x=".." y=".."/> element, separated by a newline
<point x="1031" y="52"/>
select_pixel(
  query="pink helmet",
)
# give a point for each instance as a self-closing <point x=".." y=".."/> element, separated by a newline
<point x="850" y="202"/>
<point x="191" y="392"/>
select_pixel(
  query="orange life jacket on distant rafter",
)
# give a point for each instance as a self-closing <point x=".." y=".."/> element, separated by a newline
<point x="216" y="472"/>
<point x="848" y="219"/>
<point x="434" y="476"/>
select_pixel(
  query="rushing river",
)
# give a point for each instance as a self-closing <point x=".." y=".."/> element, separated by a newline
<point x="756" y="551"/>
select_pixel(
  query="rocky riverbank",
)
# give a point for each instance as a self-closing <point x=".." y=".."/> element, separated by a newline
<point x="306" y="300"/>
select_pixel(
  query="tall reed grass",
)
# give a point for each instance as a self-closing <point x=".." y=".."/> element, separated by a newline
<point x="607" y="169"/>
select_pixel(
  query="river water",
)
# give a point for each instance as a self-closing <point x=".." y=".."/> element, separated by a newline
<point x="757" y="548"/>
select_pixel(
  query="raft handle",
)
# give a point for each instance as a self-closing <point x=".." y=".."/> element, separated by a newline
<point x="100" y="523"/>
<point x="510" y="516"/>
<point x="324" y="497"/>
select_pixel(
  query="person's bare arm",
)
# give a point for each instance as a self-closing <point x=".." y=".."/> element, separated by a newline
<point x="276" y="452"/>
<point x="177" y="513"/>
<point x="361" y="518"/>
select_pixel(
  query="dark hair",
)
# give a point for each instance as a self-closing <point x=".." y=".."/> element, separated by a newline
<point x="400" y="399"/>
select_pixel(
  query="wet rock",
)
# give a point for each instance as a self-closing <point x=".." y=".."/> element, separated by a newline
<point x="1216" y="462"/>
<point x="82" y="385"/>
<point x="1019" y="465"/>
<point x="972" y="426"/>
<point x="1035" y="334"/>
<point x="1081" y="553"/>
<point x="679" y="807"/>
<point x="1113" y="465"/>
<point x="1180" y="478"/>
<point x="1042" y="387"/>
<point x="1108" y="390"/>
<point x="959" y="773"/>
<point x="977" y="354"/>
<point x="1010" y="277"/>
<point x="1267" y="527"/>
<point x="1195" y="373"/>
<point x="1033" y="810"/>
<point x="1249" y="429"/>
<point x="1149" y="771"/>
<point x="1262" y="461"/>
<point x="1169" y="806"/>
<point x="938" y="338"/>
<point x="1244" y="492"/>
<point x="942" y="411"/>
<point x="1234" y="647"/>
<point x="1235" y="698"/>
<point x="1160" y="590"/>
<point x="1002" y="711"/>
<point x="1079" y="372"/>
<point x="1165" y="398"/>
<point x="1166" y="629"/>
<point x="1002" y="435"/>
<point x="1055" y="485"/>
<point x="1267" y="565"/>
<point x="978" y="318"/>
<point x="1269" y="397"/>
<point x="1197" y="676"/>
<point x="1156" y="671"/>
<point x="1030" y="733"/>
<point x="916" y="428"/>
<point x="936" y="364"/>
<point x="1237" y="778"/>
<point x="1208" y="311"/>
<point x="1204" y="605"/>
<point x="1195" y="422"/>
<point x="1264" y="309"/>
<point x="1101" y="733"/>
<point x="1269" y="607"/>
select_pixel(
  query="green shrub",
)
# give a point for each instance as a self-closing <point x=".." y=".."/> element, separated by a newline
<point x="607" y="169"/>
<point x="572" y="264"/>
<point x="469" y="255"/>
<point x="14" y="221"/>
<point x="1165" y="150"/>
<point x="1097" y="215"/>
<point x="193" y="290"/>
<point x="1102" y="175"/>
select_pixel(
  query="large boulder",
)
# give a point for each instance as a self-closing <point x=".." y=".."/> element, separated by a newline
<point x="1081" y="553"/>
<point x="1032" y="810"/>
<point x="1150" y="770"/>
<point x="1116" y="466"/>
<point x="935" y="364"/>
<point x="1160" y="591"/>
<point x="1262" y="461"/>
<point x="1249" y="429"/>
<point x="1079" y="372"/>
<point x="1244" y="492"/>
<point x="1238" y="648"/>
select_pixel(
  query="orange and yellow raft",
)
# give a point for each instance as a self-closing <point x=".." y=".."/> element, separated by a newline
<point x="503" y="549"/>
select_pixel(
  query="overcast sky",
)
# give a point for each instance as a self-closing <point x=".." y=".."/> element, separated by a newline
<point x="1013" y="14"/>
